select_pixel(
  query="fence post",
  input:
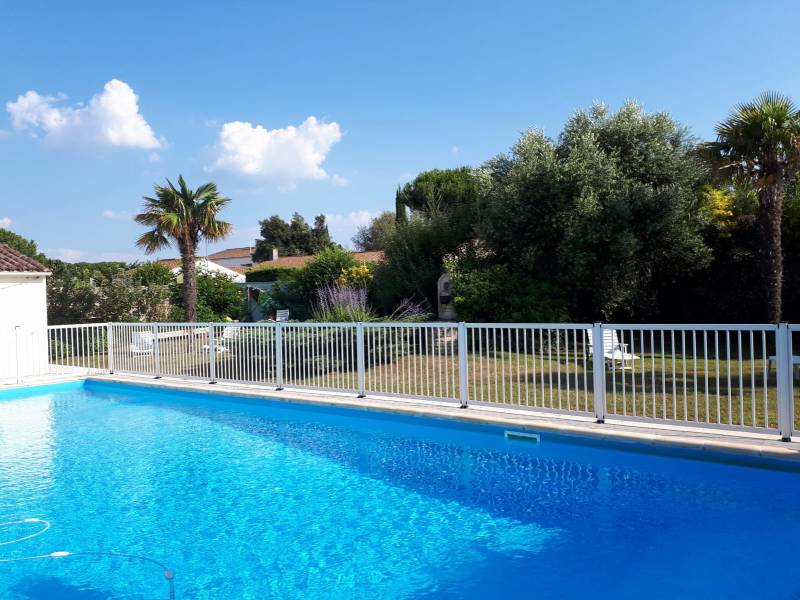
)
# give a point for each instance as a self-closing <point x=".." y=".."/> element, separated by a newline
<point x="463" y="386"/>
<point x="360" y="359"/>
<point x="598" y="373"/>
<point x="110" y="347"/>
<point x="212" y="355"/>
<point x="783" y="351"/>
<point x="18" y="352"/>
<point x="156" y="352"/>
<point x="278" y="355"/>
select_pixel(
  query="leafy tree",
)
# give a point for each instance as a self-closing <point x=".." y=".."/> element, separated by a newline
<point x="152" y="274"/>
<point x="101" y="292"/>
<point x="375" y="235"/>
<point x="218" y="298"/>
<point x="759" y="144"/>
<point x="185" y="217"/>
<point x="325" y="268"/>
<point x="296" y="238"/>
<point x="437" y="191"/>
<point x="610" y="213"/>
<point x="21" y="245"/>
<point x="414" y="256"/>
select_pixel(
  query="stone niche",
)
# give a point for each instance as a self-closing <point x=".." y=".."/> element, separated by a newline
<point x="444" y="297"/>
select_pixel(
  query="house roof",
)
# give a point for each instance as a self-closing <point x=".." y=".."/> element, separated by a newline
<point x="231" y="253"/>
<point x="12" y="261"/>
<point x="296" y="262"/>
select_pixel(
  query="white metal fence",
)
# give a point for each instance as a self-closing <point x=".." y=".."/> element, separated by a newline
<point x="738" y="377"/>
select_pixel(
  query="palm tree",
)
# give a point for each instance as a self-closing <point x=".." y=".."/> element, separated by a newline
<point x="183" y="216"/>
<point x="758" y="145"/>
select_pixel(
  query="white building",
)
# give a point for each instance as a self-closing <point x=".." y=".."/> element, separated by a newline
<point x="203" y="265"/>
<point x="23" y="314"/>
<point x="233" y="257"/>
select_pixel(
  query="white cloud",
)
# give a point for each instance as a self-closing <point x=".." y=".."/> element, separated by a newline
<point x="288" y="154"/>
<point x="340" y="181"/>
<point x="117" y="215"/>
<point x="344" y="226"/>
<point x="111" y="118"/>
<point x="5" y="222"/>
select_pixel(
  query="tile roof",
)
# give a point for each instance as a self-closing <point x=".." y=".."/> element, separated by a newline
<point x="231" y="253"/>
<point x="286" y="262"/>
<point x="296" y="262"/>
<point x="12" y="261"/>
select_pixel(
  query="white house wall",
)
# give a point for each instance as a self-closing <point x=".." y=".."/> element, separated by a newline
<point x="23" y="305"/>
<point x="207" y="266"/>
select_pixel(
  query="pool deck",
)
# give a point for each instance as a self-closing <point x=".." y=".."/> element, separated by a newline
<point x="748" y="446"/>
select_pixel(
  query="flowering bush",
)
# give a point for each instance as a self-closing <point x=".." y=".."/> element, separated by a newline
<point x="359" y="276"/>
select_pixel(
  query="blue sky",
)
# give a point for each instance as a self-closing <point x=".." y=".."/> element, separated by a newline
<point x="325" y="107"/>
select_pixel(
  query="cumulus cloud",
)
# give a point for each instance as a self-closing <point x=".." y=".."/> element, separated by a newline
<point x="111" y="118"/>
<point x="289" y="153"/>
<point x="117" y="215"/>
<point x="5" y="222"/>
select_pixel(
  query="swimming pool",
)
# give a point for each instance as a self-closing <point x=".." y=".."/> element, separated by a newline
<point x="245" y="498"/>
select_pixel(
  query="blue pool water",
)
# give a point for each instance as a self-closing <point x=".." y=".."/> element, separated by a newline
<point x="254" y="499"/>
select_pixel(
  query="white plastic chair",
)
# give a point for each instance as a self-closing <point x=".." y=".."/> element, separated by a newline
<point x="229" y="333"/>
<point x="613" y="350"/>
<point x="142" y="343"/>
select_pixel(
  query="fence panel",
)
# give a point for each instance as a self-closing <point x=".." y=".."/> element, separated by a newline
<point x="320" y="355"/>
<point x="711" y="375"/>
<point x="719" y="375"/>
<point x="245" y="353"/>
<point x="23" y="354"/>
<point x="133" y="348"/>
<point x="77" y="349"/>
<point x="416" y="360"/>
<point x="178" y="350"/>
<point x="544" y="367"/>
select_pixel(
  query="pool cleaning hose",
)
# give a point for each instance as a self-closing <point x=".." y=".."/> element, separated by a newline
<point x="168" y="574"/>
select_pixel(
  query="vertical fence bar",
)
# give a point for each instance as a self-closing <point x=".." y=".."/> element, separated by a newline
<point x="110" y="343"/>
<point x="783" y="351"/>
<point x="360" y="369"/>
<point x="598" y="373"/>
<point x="463" y="386"/>
<point x="212" y="355"/>
<point x="156" y="352"/>
<point x="279" y="355"/>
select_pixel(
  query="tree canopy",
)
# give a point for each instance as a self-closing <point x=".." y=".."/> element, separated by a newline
<point x="376" y="235"/>
<point x="184" y="216"/>
<point x="21" y="245"/>
<point x="609" y="213"/>
<point x="758" y="145"/>
<point x="293" y="238"/>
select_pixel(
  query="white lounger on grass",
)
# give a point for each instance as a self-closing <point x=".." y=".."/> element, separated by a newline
<point x="613" y="350"/>
<point x="142" y="343"/>
<point x="229" y="332"/>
